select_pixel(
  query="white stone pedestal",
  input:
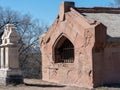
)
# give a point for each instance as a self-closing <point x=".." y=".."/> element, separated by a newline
<point x="9" y="76"/>
<point x="9" y="70"/>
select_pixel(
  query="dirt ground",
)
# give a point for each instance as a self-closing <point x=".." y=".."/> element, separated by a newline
<point x="36" y="84"/>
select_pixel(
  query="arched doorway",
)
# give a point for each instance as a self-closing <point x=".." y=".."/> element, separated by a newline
<point x="64" y="51"/>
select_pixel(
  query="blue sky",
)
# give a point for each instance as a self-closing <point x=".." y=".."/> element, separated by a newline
<point x="47" y="10"/>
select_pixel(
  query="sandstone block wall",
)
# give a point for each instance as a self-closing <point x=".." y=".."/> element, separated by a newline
<point x="95" y="62"/>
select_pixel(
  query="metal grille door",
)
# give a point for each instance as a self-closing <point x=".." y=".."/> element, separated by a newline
<point x="65" y="53"/>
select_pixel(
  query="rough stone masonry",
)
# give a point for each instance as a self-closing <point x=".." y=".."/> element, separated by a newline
<point x="82" y="47"/>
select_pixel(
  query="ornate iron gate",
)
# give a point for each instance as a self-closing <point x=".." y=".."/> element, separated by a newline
<point x="65" y="53"/>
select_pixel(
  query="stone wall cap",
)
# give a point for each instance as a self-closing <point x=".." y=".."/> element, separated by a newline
<point x="10" y="25"/>
<point x="9" y="44"/>
<point x="98" y="10"/>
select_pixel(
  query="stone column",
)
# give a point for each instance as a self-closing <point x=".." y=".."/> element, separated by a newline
<point x="2" y="58"/>
<point x="10" y="71"/>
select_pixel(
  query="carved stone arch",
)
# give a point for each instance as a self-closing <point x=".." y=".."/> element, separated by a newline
<point x="63" y="50"/>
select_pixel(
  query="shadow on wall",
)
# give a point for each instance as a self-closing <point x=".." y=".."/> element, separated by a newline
<point x="106" y="71"/>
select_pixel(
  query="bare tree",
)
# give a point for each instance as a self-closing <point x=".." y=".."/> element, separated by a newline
<point x="117" y="1"/>
<point x="115" y="4"/>
<point x="29" y="31"/>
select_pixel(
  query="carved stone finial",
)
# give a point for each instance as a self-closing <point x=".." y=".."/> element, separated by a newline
<point x="10" y="35"/>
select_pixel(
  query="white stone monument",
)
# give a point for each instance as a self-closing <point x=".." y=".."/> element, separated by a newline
<point x="9" y="70"/>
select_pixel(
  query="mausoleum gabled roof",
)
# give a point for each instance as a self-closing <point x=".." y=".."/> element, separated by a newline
<point x="86" y="17"/>
<point x="110" y="17"/>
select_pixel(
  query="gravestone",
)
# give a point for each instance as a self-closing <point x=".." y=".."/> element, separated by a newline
<point x="9" y="70"/>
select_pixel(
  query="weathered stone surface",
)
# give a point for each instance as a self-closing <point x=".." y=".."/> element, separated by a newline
<point x="95" y="59"/>
<point x="9" y="70"/>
